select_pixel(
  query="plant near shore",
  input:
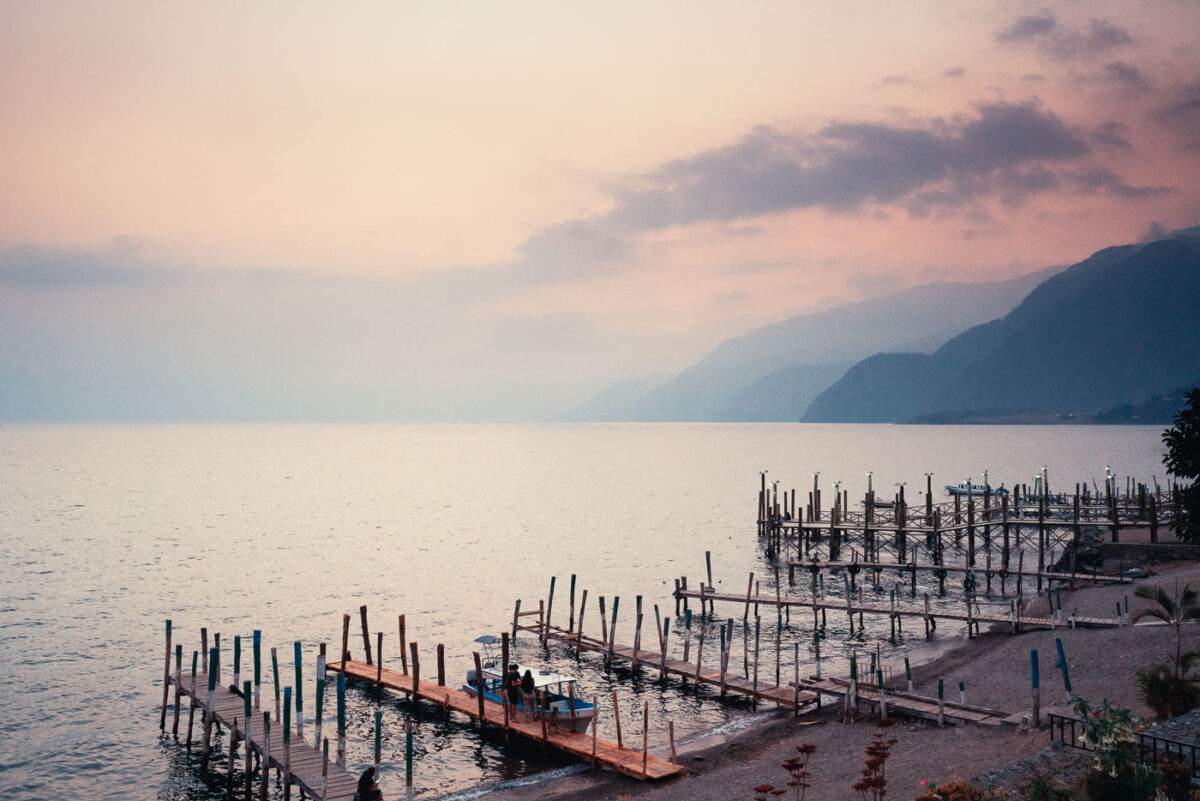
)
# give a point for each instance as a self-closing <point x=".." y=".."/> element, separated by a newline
<point x="1166" y="687"/>
<point x="1183" y="461"/>
<point x="873" y="785"/>
<point x="797" y="768"/>
<point x="1174" y="781"/>
<point x="1116" y="776"/>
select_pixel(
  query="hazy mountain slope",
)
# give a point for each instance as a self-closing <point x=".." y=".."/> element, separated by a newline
<point x="781" y="395"/>
<point x="715" y="388"/>
<point x="1109" y="330"/>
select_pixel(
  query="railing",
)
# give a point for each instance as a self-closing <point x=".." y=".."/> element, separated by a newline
<point x="1149" y="749"/>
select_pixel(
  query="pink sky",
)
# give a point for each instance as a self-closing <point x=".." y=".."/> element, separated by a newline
<point x="662" y="175"/>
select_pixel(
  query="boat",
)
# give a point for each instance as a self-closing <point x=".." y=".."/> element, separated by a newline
<point x="555" y="692"/>
<point x="967" y="489"/>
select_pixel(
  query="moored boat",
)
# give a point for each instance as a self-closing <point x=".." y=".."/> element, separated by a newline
<point x="967" y="489"/>
<point x="555" y="695"/>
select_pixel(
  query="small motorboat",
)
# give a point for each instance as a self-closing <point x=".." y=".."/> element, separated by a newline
<point x="556" y="699"/>
<point x="967" y="489"/>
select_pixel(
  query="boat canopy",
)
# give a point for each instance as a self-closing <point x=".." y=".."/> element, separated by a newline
<point x="541" y="676"/>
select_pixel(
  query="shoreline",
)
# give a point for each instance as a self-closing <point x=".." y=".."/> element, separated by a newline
<point x="995" y="669"/>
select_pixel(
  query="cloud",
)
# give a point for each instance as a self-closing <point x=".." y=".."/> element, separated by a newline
<point x="1112" y="134"/>
<point x="1154" y="232"/>
<point x="1028" y="27"/>
<point x="956" y="72"/>
<point x="1098" y="179"/>
<point x="1124" y="75"/>
<point x="1180" y="114"/>
<point x="846" y="164"/>
<point x="1060" y="42"/>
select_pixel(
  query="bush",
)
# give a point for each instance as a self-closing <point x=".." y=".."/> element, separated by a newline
<point x="1166" y="691"/>
<point x="1042" y="789"/>
<point x="1174" y="781"/>
<point x="1137" y="784"/>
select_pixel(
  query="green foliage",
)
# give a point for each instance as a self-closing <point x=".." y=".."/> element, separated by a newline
<point x="1174" y="609"/>
<point x="1137" y="784"/>
<point x="1167" y="692"/>
<point x="1182" y="460"/>
<point x="1117" y="776"/>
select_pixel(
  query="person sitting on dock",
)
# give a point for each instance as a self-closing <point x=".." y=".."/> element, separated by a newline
<point x="527" y="693"/>
<point x="368" y="788"/>
<point x="512" y="686"/>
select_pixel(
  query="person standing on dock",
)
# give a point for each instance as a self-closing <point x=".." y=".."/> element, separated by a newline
<point x="512" y="686"/>
<point x="527" y="693"/>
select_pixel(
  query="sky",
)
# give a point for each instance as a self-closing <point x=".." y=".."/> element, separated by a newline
<point x="492" y="211"/>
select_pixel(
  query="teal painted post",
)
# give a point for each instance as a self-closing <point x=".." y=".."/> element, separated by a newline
<point x="204" y="649"/>
<point x="549" y="609"/>
<point x="299" y="687"/>
<point x="320" y="708"/>
<point x="1062" y="663"/>
<point x="178" y="686"/>
<point x="687" y="636"/>
<point x="908" y="674"/>
<point x="708" y="565"/>
<point x="941" y="703"/>
<point x="817" y="649"/>
<point x="213" y="656"/>
<point x="341" y="720"/>
<point x="571" y="622"/>
<point x="1037" y="692"/>
<point x="853" y="685"/>
<point x="882" y="699"/>
<point x="962" y="693"/>
<point x="257" y="667"/>
<point x="378" y="739"/>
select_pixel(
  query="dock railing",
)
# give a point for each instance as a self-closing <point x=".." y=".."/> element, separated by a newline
<point x="1150" y="749"/>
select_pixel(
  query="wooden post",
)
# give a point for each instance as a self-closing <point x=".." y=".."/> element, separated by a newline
<point x="941" y="703"/>
<point x="204" y="650"/>
<point x="404" y="645"/>
<point x="516" y="617"/>
<point x="571" y="622"/>
<point x="708" y="566"/>
<point x="178" y="687"/>
<point x="345" y="640"/>
<point x="687" y="635"/>
<point x="603" y="623"/>
<point x="441" y="664"/>
<point x="579" y="631"/>
<point x="379" y="657"/>
<point x="319" y="723"/>
<point x="257" y="668"/>
<point x="504" y="678"/>
<point x="595" y="722"/>
<point x="362" y="614"/>
<point x="287" y="741"/>
<point x="549" y="610"/>
<point x="341" y="720"/>
<point x="671" y="734"/>
<point x="208" y="707"/>
<point x="612" y="630"/>
<point x="645" y="737"/>
<point x="408" y="756"/>
<point x="247" y="701"/>
<point x="416" y="670"/>
<point x="324" y="770"/>
<point x="757" y="633"/>
<point x="617" y="717"/>
<point x="266" y="758"/>
<point x="637" y="633"/>
<point x="192" y="703"/>
<point x="699" y="656"/>
<point x="378" y="738"/>
<point x="749" y="589"/>
<point x="298" y="658"/>
<point x="479" y="680"/>
<point x="162" y="720"/>
<point x="275" y="674"/>
<point x="662" y="642"/>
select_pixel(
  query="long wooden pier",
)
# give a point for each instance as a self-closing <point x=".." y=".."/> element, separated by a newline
<point x="972" y="615"/>
<point x="638" y="764"/>
<point x="790" y="697"/>
<point x="300" y="763"/>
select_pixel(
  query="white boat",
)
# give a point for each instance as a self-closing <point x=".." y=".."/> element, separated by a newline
<point x="967" y="489"/>
<point x="556" y="699"/>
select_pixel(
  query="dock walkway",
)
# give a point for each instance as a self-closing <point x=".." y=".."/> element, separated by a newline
<point x="791" y="697"/>
<point x="304" y="759"/>
<point x="638" y="764"/>
<point x="975" y="618"/>
<point x="910" y="704"/>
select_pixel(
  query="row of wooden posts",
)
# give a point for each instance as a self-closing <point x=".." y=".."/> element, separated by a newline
<point x="780" y="525"/>
<point x="408" y="649"/>
<point x="208" y="660"/>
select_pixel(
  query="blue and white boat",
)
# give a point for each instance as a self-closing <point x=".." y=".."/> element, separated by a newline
<point x="967" y="489"/>
<point x="554" y="691"/>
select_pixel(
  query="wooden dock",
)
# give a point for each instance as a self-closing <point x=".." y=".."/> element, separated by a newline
<point x="308" y="767"/>
<point x="788" y="696"/>
<point x="909" y="704"/>
<point x="630" y="762"/>
<point x="973" y="614"/>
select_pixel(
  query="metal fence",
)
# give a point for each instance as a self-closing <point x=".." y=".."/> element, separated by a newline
<point x="1148" y="748"/>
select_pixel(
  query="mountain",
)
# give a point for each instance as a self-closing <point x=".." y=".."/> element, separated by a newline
<point x="796" y="358"/>
<point x="612" y="404"/>
<point x="1108" y="331"/>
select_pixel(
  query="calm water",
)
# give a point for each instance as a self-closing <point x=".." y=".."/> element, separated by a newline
<point x="110" y="530"/>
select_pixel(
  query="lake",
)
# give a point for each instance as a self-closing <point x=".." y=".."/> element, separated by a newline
<point x="110" y="530"/>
